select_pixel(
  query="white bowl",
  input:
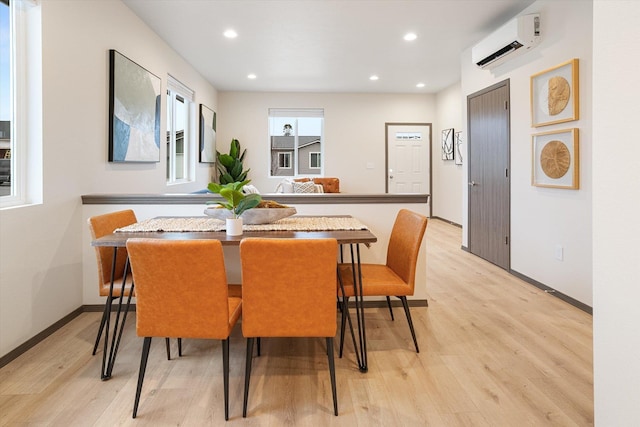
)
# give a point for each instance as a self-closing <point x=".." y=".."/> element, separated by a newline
<point x="253" y="216"/>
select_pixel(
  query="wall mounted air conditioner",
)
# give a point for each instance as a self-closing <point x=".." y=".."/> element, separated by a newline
<point x="512" y="39"/>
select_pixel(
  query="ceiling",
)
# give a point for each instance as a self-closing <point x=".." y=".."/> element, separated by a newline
<point x="325" y="45"/>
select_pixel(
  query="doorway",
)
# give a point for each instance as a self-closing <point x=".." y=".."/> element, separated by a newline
<point x="489" y="175"/>
<point x="408" y="158"/>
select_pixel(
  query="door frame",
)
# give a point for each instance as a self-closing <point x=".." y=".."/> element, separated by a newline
<point x="506" y="83"/>
<point x="386" y="156"/>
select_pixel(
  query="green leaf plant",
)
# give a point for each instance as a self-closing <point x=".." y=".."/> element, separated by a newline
<point x="230" y="165"/>
<point x="236" y="201"/>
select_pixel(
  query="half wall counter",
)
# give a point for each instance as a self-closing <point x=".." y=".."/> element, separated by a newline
<point x="377" y="211"/>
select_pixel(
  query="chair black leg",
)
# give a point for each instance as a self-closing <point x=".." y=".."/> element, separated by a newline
<point x="406" y="311"/>
<point x="247" y="376"/>
<point x="168" y="343"/>
<point x="101" y="328"/>
<point x="332" y="373"/>
<point x="143" y="367"/>
<point x="179" y="347"/>
<point x="389" y="305"/>
<point x="225" y="376"/>
<point x="344" y="309"/>
<point x="259" y="345"/>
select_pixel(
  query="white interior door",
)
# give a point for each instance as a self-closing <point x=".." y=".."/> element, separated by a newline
<point x="408" y="158"/>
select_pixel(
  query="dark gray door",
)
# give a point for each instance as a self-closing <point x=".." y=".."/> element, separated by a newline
<point x="488" y="125"/>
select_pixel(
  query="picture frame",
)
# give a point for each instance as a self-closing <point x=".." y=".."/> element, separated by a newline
<point x="207" y="134"/>
<point x="458" y="147"/>
<point x="555" y="95"/>
<point x="134" y="111"/>
<point x="556" y="159"/>
<point x="447" y="144"/>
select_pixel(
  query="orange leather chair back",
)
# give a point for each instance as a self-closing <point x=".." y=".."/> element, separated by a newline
<point x="102" y="225"/>
<point x="404" y="244"/>
<point x="181" y="288"/>
<point x="288" y="287"/>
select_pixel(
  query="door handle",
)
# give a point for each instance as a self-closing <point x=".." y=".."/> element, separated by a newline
<point x="473" y="184"/>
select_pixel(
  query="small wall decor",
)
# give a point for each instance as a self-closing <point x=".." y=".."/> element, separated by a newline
<point x="134" y="111"/>
<point x="555" y="95"/>
<point x="458" y="147"/>
<point x="556" y="159"/>
<point x="207" y="134"/>
<point x="447" y="144"/>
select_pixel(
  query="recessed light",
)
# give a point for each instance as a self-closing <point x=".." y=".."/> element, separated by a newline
<point x="252" y="76"/>
<point x="230" y="34"/>
<point x="410" y="37"/>
<point x="374" y="77"/>
<point x="420" y="85"/>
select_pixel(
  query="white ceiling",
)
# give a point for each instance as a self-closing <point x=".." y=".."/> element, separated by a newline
<point x="325" y="45"/>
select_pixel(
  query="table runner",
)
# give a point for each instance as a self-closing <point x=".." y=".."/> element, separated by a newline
<point x="189" y="224"/>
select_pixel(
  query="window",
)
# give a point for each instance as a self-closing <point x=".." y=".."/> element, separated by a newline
<point x="180" y="132"/>
<point x="20" y="103"/>
<point x="296" y="138"/>
<point x="6" y="92"/>
<point x="284" y="160"/>
<point x="314" y="160"/>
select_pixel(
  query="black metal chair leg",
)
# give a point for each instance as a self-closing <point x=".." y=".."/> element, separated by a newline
<point x="103" y="321"/>
<point x="247" y="376"/>
<point x="179" y="347"/>
<point x="143" y="367"/>
<point x="225" y="376"/>
<point x="389" y="305"/>
<point x="406" y="311"/>
<point x="332" y="373"/>
<point x="168" y="344"/>
<point x="259" y="345"/>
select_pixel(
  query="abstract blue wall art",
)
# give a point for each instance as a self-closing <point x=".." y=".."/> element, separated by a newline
<point x="134" y="111"/>
<point x="207" y="135"/>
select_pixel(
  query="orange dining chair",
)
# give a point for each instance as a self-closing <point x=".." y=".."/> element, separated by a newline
<point x="199" y="305"/>
<point x="289" y="290"/>
<point x="102" y="225"/>
<point x="396" y="277"/>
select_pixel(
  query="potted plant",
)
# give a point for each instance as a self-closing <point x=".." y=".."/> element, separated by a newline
<point x="236" y="203"/>
<point x="230" y="165"/>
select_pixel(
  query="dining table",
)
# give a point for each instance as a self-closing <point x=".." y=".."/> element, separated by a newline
<point x="348" y="231"/>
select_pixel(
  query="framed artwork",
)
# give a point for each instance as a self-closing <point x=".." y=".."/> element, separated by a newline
<point x="447" y="144"/>
<point x="555" y="95"/>
<point x="458" y="147"/>
<point x="134" y="111"/>
<point x="556" y="159"/>
<point x="207" y="135"/>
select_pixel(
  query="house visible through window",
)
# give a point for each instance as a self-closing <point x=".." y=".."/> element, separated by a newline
<point x="296" y="138"/>
<point x="180" y="137"/>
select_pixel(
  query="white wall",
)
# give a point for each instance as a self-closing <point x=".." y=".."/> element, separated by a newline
<point x="447" y="176"/>
<point x="41" y="246"/>
<point x="543" y="218"/>
<point x="616" y="229"/>
<point x="354" y="131"/>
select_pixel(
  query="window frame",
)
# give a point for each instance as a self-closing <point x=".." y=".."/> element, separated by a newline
<point x="293" y="117"/>
<point x="178" y="92"/>
<point x="286" y="157"/>
<point x="318" y="156"/>
<point x="26" y="103"/>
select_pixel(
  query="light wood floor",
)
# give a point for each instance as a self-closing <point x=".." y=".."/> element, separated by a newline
<point x="495" y="351"/>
